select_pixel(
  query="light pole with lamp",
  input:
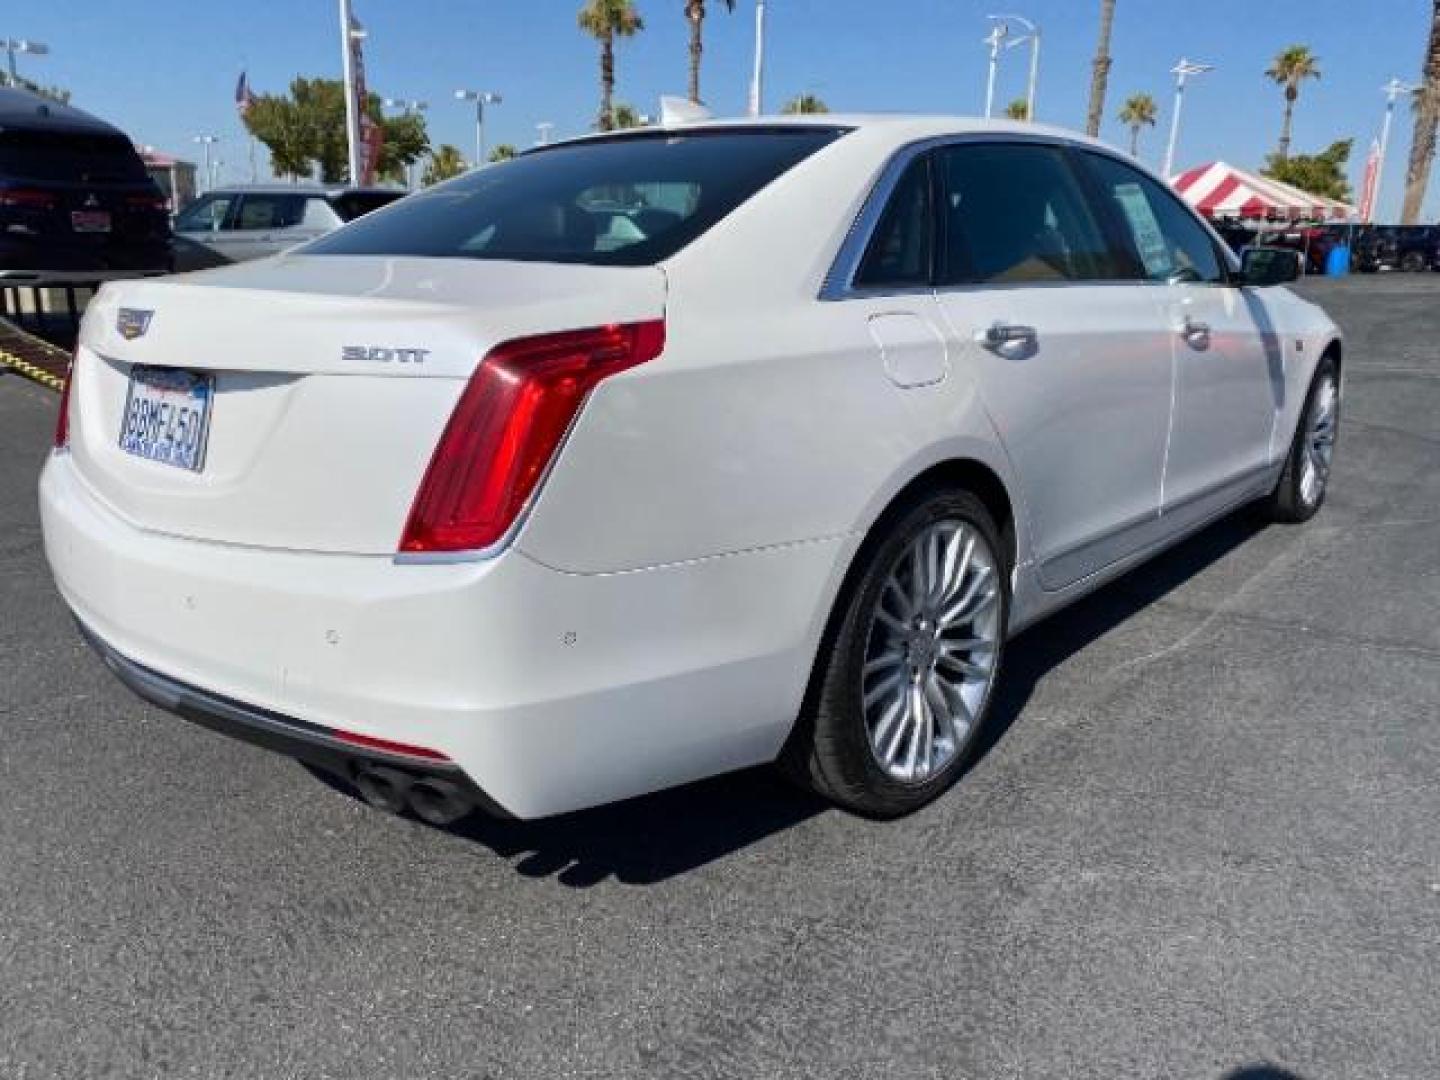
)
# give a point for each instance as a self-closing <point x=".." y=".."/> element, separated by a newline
<point x="757" y="77"/>
<point x="1032" y="35"/>
<point x="22" y="45"/>
<point x="207" y="141"/>
<point x="1181" y="71"/>
<point x="999" y="31"/>
<point x="1393" y="89"/>
<point x="481" y="99"/>
<point x="407" y="108"/>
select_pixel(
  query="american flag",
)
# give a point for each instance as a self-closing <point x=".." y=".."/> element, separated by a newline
<point x="243" y="97"/>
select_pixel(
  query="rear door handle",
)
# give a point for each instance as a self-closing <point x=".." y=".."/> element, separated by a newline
<point x="1008" y="337"/>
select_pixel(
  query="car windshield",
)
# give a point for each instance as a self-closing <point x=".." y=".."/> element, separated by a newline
<point x="72" y="156"/>
<point x="622" y="201"/>
<point x="352" y="204"/>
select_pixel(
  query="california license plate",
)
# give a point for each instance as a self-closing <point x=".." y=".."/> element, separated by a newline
<point x="90" y="221"/>
<point x="167" y="416"/>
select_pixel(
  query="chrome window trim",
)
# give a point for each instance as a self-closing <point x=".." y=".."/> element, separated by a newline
<point x="839" y="283"/>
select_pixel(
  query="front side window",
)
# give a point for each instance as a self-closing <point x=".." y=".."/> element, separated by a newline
<point x="900" y="251"/>
<point x="205" y="214"/>
<point x="630" y="200"/>
<point x="1170" y="244"/>
<point x="1015" y="213"/>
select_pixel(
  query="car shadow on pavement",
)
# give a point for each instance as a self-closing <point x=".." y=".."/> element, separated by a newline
<point x="1262" y="1072"/>
<point x="650" y="839"/>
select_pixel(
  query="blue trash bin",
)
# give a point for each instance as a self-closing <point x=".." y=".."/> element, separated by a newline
<point x="1337" y="263"/>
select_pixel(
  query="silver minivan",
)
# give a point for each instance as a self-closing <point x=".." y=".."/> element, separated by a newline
<point x="234" y="224"/>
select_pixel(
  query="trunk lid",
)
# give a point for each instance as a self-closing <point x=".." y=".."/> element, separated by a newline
<point x="332" y="378"/>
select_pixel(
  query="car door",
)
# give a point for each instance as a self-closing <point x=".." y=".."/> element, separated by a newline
<point x="262" y="223"/>
<point x="1229" y="373"/>
<point x="1069" y="349"/>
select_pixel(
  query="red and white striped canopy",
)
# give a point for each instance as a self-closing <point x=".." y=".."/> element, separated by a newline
<point x="1219" y="190"/>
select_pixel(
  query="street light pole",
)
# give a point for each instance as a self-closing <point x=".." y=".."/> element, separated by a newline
<point x="995" y="39"/>
<point x="348" y="33"/>
<point x="757" y="79"/>
<point x="1180" y="71"/>
<point x="1393" y="89"/>
<point x="23" y="45"/>
<point x="481" y="99"/>
<point x="407" y="108"/>
<point x="207" y="141"/>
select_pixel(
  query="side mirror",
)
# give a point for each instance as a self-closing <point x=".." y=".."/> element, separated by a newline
<point x="1262" y="266"/>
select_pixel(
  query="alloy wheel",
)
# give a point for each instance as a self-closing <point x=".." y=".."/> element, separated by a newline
<point x="1318" y="449"/>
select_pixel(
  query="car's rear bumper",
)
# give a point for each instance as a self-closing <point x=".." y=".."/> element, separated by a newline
<point x="42" y="262"/>
<point x="550" y="691"/>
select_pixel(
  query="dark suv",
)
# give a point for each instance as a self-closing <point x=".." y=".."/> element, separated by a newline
<point x="76" y="203"/>
<point x="1412" y="248"/>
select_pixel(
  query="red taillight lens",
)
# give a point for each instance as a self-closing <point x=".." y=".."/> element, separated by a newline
<point x="62" y="420"/>
<point x="29" y="199"/>
<point x="507" y="426"/>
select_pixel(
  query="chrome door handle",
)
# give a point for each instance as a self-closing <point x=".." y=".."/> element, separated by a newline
<point x="1003" y="335"/>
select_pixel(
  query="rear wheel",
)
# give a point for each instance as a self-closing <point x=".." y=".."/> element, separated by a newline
<point x="904" y="687"/>
<point x="1413" y="262"/>
<point x="1301" y="490"/>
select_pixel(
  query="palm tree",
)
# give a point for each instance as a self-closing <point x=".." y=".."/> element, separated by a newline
<point x="1138" y="111"/>
<point x="805" y="104"/>
<point x="605" y="20"/>
<point x="445" y="162"/>
<point x="1101" y="74"/>
<point x="1289" y="69"/>
<point x="1427" y="120"/>
<point x="695" y="12"/>
<point x="626" y="116"/>
<point x="503" y="152"/>
<point x="1019" y="109"/>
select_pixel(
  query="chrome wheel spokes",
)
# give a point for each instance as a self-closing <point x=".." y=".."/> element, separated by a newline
<point x="931" y="651"/>
<point x="1318" y="449"/>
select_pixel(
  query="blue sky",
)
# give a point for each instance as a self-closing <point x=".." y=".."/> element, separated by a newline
<point x="166" y="69"/>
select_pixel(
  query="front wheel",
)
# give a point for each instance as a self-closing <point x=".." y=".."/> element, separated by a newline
<point x="1301" y="490"/>
<point x="903" y="689"/>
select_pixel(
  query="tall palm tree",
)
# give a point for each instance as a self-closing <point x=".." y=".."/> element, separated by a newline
<point x="804" y="105"/>
<point x="1138" y="111"/>
<point x="695" y="12"/>
<point x="1101" y="74"/>
<point x="1290" y="68"/>
<point x="605" y="20"/>
<point x="1427" y="120"/>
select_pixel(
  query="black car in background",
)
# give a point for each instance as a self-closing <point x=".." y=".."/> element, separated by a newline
<point x="76" y="204"/>
<point x="1412" y="248"/>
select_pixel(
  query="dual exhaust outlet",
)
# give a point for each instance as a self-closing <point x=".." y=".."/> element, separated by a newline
<point x="434" y="800"/>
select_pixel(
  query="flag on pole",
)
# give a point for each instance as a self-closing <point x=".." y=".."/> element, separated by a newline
<point x="243" y="97"/>
<point x="372" y="135"/>
<point x="1368" y="194"/>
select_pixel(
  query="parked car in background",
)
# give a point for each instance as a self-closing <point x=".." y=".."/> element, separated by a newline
<point x="1412" y="248"/>
<point x="76" y="203"/>
<point x="479" y="501"/>
<point x="236" y="224"/>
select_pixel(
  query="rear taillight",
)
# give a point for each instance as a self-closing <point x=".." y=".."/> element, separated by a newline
<point x="369" y="742"/>
<point x="29" y="199"/>
<point x="62" y="420"/>
<point x="157" y="203"/>
<point x="507" y="426"/>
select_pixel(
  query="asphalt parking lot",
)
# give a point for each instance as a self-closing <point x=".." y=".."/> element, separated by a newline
<point x="1205" y="845"/>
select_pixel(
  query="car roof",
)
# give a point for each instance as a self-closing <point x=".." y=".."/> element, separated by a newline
<point x="328" y="191"/>
<point x="22" y="109"/>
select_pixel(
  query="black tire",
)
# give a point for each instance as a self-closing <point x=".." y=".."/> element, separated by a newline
<point x="1413" y="262"/>
<point x="829" y="750"/>
<point x="1287" y="503"/>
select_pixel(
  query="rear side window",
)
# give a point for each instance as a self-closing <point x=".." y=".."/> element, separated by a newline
<point x="264" y="211"/>
<point x="900" y="251"/>
<point x="1170" y="244"/>
<point x="627" y="201"/>
<point x="206" y="214"/>
<point x="353" y="204"/>
<point x="1016" y="213"/>
<point x="68" y="156"/>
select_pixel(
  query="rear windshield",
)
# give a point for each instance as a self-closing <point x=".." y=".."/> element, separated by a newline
<point x="74" y="156"/>
<point x="626" y="201"/>
<point x="352" y="204"/>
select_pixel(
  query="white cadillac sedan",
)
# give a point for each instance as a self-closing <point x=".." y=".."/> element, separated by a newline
<point x="649" y="456"/>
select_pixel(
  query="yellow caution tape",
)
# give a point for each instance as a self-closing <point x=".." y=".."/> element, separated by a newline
<point x="31" y="371"/>
<point x="24" y="367"/>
